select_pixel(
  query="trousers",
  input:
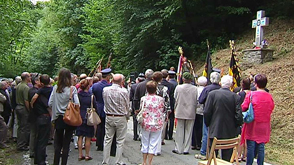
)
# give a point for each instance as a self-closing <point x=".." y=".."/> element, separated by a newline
<point x="23" y="131"/>
<point x="184" y="135"/>
<point x="114" y="125"/>
<point x="42" y="136"/>
<point x="3" y="131"/>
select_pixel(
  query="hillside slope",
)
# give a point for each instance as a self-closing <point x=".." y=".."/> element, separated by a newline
<point x="280" y="35"/>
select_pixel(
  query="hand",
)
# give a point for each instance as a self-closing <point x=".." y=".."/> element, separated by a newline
<point x="136" y="112"/>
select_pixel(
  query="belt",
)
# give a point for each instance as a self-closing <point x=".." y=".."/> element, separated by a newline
<point x="114" y="115"/>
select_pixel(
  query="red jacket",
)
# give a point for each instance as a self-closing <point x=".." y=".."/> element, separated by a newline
<point x="263" y="105"/>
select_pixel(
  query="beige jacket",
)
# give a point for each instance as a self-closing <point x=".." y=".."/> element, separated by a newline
<point x="185" y="101"/>
<point x="2" y="100"/>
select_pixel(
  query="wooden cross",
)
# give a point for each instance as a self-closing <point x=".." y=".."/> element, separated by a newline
<point x="258" y="23"/>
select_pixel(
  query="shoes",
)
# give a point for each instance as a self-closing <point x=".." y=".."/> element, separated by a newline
<point x="23" y="149"/>
<point x="157" y="154"/>
<point x="49" y="142"/>
<point x="193" y="148"/>
<point x="162" y="143"/>
<point x="87" y="158"/>
<point x="32" y="156"/>
<point x="186" y="153"/>
<point x="93" y="139"/>
<point x="201" y="157"/>
<point x="99" y="149"/>
<point x="81" y="158"/>
<point x="171" y="138"/>
<point x="198" y="148"/>
<point x="176" y="152"/>
<point x="76" y="147"/>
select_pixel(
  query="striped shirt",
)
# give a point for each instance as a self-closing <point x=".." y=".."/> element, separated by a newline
<point x="116" y="100"/>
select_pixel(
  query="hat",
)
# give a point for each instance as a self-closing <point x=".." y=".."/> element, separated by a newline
<point x="171" y="72"/>
<point x="106" y="71"/>
<point x="216" y="70"/>
<point x="187" y="76"/>
<point x="141" y="75"/>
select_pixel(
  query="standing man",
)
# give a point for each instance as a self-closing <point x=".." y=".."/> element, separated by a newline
<point x="22" y="112"/>
<point x="116" y="101"/>
<point x="3" y="126"/>
<point x="97" y="91"/>
<point x="7" y="104"/>
<point x="168" y="132"/>
<point x="220" y="110"/>
<point x="32" y="114"/>
<point x="185" y="107"/>
<point x="43" y="120"/>
<point x="214" y="79"/>
<point x="140" y="78"/>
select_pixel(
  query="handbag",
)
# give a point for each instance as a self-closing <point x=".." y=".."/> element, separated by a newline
<point x="140" y="114"/>
<point x="248" y="116"/>
<point x="72" y="114"/>
<point x="92" y="117"/>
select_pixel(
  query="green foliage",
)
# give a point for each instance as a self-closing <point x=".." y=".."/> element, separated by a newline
<point x="139" y="34"/>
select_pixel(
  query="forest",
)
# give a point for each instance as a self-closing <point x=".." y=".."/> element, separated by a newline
<point x="139" y="34"/>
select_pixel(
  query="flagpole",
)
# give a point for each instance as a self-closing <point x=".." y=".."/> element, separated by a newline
<point x="179" y="71"/>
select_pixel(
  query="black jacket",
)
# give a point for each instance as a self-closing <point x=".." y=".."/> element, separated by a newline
<point x="6" y="106"/>
<point x="140" y="92"/>
<point x="171" y="90"/>
<point x="222" y="113"/>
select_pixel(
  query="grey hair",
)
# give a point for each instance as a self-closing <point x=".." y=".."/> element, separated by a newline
<point x="215" y="77"/>
<point x="202" y="81"/>
<point x="226" y="81"/>
<point x="17" y="80"/>
<point x="149" y="73"/>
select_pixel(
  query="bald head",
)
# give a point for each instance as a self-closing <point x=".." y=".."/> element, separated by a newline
<point x="25" y="76"/>
<point x="117" y="79"/>
<point x="3" y="85"/>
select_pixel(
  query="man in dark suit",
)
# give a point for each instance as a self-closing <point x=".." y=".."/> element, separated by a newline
<point x="168" y="133"/>
<point x="220" y="110"/>
<point x="140" y="78"/>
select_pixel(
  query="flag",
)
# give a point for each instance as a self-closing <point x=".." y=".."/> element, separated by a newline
<point x="208" y="67"/>
<point x="234" y="70"/>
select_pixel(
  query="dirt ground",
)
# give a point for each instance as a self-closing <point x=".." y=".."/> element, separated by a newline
<point x="280" y="36"/>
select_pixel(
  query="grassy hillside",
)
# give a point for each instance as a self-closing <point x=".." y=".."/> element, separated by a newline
<point x="280" y="71"/>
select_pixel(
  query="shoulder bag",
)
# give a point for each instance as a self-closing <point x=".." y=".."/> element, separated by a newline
<point x="140" y="114"/>
<point x="248" y="116"/>
<point x="72" y="114"/>
<point x="92" y="116"/>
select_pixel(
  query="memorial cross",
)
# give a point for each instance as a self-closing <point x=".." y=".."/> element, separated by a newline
<point x="258" y="23"/>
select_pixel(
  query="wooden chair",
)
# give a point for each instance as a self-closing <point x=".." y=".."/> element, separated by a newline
<point x="222" y="144"/>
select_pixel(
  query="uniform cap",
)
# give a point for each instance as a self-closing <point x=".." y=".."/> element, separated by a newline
<point x="141" y="75"/>
<point x="171" y="72"/>
<point x="106" y="71"/>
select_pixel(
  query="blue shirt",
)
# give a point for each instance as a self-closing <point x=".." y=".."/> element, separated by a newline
<point x="206" y="90"/>
<point x="97" y="91"/>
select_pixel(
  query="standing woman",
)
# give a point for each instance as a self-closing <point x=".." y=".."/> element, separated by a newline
<point x="58" y="101"/>
<point x="153" y="109"/>
<point x="85" y="98"/>
<point x="257" y="133"/>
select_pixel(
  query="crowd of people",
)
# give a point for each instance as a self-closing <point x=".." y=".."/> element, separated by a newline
<point x="33" y="106"/>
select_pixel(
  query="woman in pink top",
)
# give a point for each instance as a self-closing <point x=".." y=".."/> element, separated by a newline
<point x="153" y="109"/>
<point x="257" y="133"/>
